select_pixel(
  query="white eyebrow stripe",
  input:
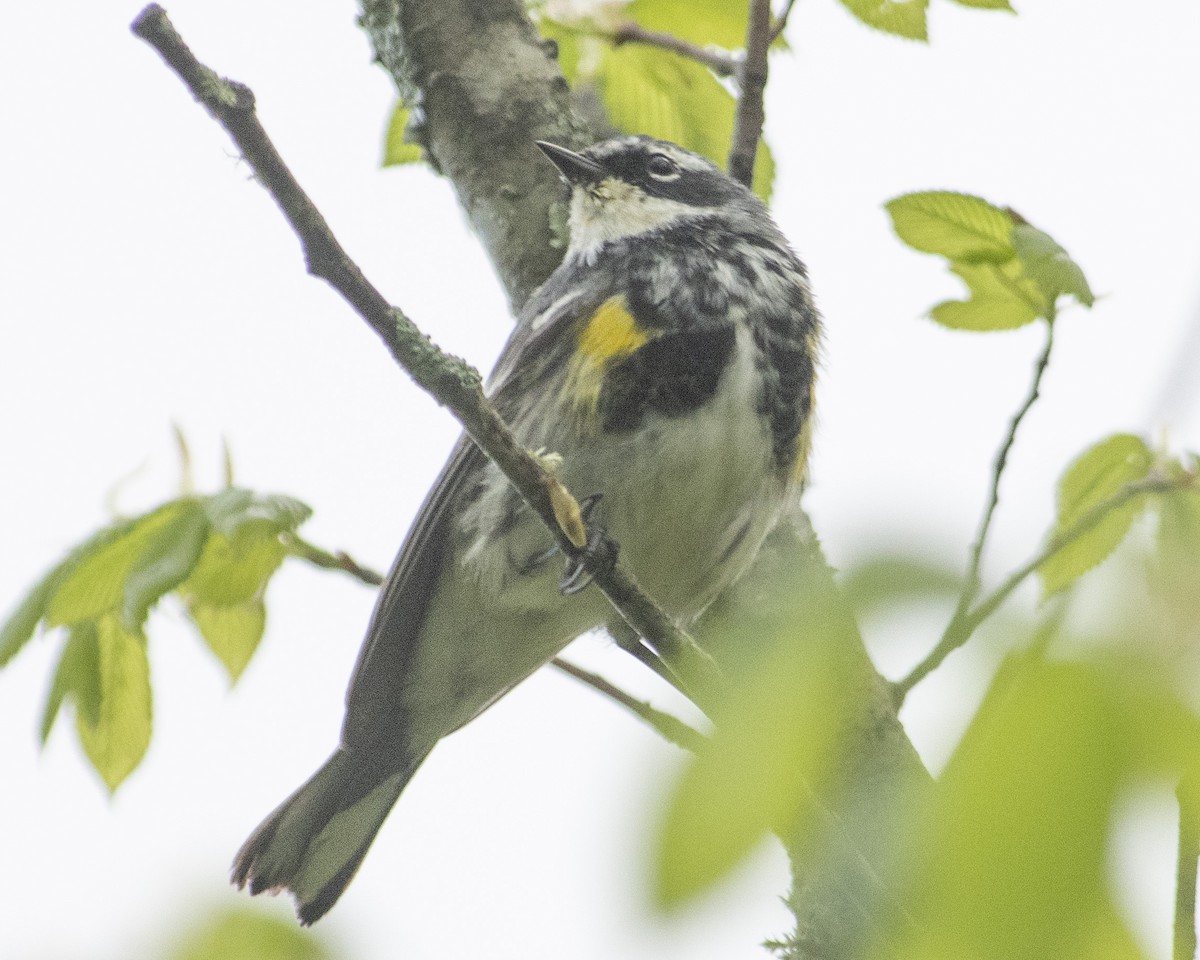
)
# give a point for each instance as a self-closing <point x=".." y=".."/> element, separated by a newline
<point x="554" y="309"/>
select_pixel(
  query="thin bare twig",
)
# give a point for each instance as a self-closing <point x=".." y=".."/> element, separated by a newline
<point x="670" y="728"/>
<point x="301" y="548"/>
<point x="722" y="64"/>
<point x="750" y="115"/>
<point x="451" y="381"/>
<point x="971" y="584"/>
<point x="781" y="21"/>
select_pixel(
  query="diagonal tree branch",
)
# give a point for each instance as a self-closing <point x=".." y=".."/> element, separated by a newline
<point x="452" y="382"/>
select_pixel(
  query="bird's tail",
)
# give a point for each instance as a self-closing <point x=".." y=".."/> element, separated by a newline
<point x="314" y="842"/>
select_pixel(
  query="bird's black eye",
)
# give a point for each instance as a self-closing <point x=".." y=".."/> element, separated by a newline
<point x="662" y="167"/>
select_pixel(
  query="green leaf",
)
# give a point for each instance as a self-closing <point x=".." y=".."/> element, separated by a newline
<point x="1097" y="475"/>
<point x="957" y="226"/>
<point x="567" y="41"/>
<point x="231" y="572"/>
<point x="231" y="632"/>
<point x="94" y="582"/>
<point x="776" y="744"/>
<point x="1048" y="265"/>
<point x="1176" y="569"/>
<point x="18" y="629"/>
<point x="886" y="580"/>
<point x="247" y="933"/>
<point x="1016" y="856"/>
<point x="397" y="150"/>
<point x="1001" y="299"/>
<point x="117" y="739"/>
<point x="719" y="23"/>
<point x="903" y="18"/>
<point x="167" y="559"/>
<point x="231" y="510"/>
<point x="666" y="96"/>
<point x="77" y="677"/>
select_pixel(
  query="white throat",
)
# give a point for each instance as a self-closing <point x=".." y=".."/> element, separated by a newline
<point x="614" y="209"/>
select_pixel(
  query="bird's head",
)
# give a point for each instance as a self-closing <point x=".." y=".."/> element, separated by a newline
<point x="629" y="186"/>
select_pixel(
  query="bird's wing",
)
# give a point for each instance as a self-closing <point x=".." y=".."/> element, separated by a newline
<point x="395" y="626"/>
<point x="374" y="694"/>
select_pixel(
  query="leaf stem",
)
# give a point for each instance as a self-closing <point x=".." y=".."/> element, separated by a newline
<point x="300" y="548"/>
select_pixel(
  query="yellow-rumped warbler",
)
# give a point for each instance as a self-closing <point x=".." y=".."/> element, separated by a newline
<point x="669" y="360"/>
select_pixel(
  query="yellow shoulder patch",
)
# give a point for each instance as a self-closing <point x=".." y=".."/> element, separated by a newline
<point x="611" y="333"/>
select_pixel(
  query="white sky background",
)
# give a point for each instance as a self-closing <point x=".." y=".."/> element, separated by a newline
<point x="145" y="278"/>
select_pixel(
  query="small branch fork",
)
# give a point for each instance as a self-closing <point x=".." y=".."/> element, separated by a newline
<point x="721" y="63"/>
<point x="961" y="628"/>
<point x="670" y="728"/>
<point x="452" y="382"/>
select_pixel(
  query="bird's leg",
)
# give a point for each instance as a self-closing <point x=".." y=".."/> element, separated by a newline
<point x="599" y="546"/>
<point x="574" y="576"/>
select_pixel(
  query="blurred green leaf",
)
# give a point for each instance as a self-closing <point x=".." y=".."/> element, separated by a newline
<point x="775" y="747"/>
<point x="166" y="560"/>
<point x="231" y="572"/>
<point x="18" y="629"/>
<point x="888" y="579"/>
<point x="231" y="632"/>
<point x="233" y="510"/>
<point x="397" y="150"/>
<point x="957" y="226"/>
<point x="247" y="933"/>
<point x="719" y="23"/>
<point x="903" y="18"/>
<point x="567" y="41"/>
<point x="644" y="90"/>
<point x="94" y="583"/>
<point x="1016" y="850"/>
<point x="1097" y="475"/>
<point x="117" y="739"/>
<point x="1176" y="570"/>
<point x="1047" y="264"/>
<point x="77" y="677"/>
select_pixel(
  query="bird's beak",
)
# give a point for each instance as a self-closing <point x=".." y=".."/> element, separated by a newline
<point x="573" y="167"/>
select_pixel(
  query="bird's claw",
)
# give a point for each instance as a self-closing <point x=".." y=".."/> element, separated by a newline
<point x="600" y="547"/>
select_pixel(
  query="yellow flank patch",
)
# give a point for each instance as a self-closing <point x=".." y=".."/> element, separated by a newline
<point x="611" y="334"/>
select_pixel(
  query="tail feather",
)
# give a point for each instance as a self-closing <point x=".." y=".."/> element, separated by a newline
<point x="315" y="841"/>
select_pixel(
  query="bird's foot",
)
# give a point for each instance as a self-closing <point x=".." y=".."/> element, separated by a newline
<point x="600" y="548"/>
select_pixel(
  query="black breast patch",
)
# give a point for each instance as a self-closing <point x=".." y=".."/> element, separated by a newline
<point x="673" y="374"/>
